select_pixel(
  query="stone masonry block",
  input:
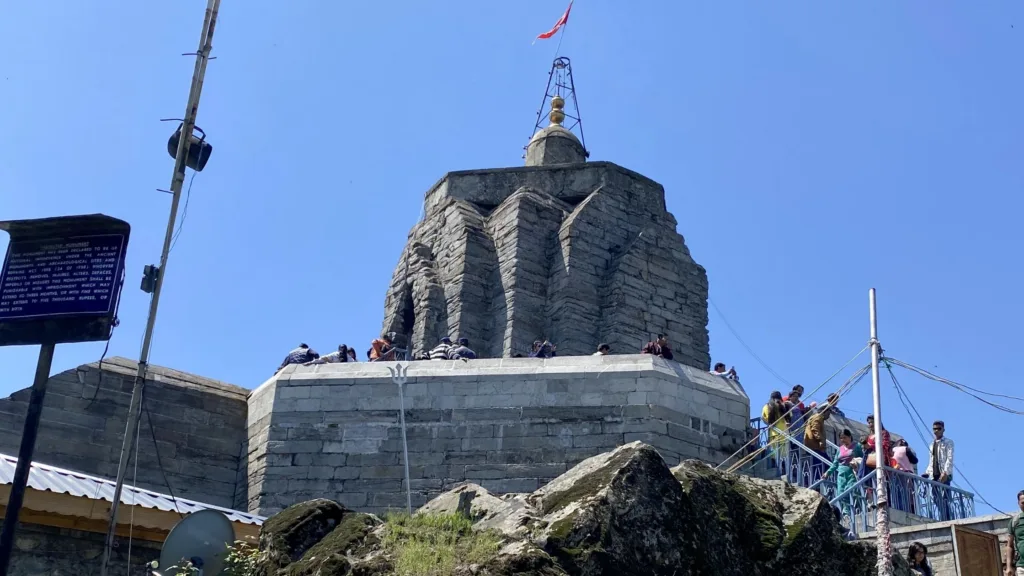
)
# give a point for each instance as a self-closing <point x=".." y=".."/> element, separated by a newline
<point x="597" y="441"/>
<point x="478" y="471"/>
<point x="382" y="472"/>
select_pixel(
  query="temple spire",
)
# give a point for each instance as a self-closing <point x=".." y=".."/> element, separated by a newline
<point x="561" y="141"/>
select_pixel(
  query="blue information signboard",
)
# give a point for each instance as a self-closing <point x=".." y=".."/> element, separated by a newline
<point x="68" y="276"/>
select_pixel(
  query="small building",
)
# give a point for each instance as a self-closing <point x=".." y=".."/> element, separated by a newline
<point x="963" y="547"/>
<point x="64" y="519"/>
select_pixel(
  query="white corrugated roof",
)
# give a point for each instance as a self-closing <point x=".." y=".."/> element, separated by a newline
<point x="60" y="481"/>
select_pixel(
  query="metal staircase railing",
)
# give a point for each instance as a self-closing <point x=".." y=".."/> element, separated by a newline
<point x="920" y="498"/>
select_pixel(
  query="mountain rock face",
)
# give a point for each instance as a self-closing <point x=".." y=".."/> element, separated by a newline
<point x="578" y="253"/>
<point x="620" y="513"/>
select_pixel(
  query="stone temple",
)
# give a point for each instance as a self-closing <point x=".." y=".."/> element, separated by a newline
<point x="562" y="249"/>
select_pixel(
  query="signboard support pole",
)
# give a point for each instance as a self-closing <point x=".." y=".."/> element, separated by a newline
<point x="28" y="446"/>
<point x="177" y="180"/>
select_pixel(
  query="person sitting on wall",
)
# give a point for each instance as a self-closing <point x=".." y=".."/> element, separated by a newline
<point x="602" y="350"/>
<point x="462" y="351"/>
<point x="300" y="355"/>
<point x="381" y="349"/>
<point x="720" y="370"/>
<point x="442" y="351"/>
<point x="341" y="355"/>
<point x="352" y="355"/>
<point x="658" y="347"/>
<point x="543" y="349"/>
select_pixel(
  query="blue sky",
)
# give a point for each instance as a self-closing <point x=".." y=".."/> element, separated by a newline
<point x="809" y="151"/>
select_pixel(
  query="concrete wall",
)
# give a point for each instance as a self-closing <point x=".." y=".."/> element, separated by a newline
<point x="510" y="425"/>
<point x="199" y="426"/>
<point x="48" y="551"/>
<point x="938" y="538"/>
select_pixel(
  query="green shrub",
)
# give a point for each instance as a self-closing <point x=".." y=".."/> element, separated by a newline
<point x="241" y="559"/>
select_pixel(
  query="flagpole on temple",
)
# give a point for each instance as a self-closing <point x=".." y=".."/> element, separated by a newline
<point x="881" y="493"/>
<point x="561" y="32"/>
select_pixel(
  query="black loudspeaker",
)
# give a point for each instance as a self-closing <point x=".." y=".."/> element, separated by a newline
<point x="199" y="150"/>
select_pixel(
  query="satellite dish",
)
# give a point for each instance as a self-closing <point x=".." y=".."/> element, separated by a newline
<point x="203" y="538"/>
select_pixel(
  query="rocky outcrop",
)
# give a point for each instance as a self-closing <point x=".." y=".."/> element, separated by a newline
<point x="623" y="513"/>
<point x="579" y="254"/>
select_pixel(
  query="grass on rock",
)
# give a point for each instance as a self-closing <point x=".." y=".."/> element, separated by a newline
<point x="434" y="544"/>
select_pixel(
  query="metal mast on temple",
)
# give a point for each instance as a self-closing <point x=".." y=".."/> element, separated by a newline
<point x="561" y="92"/>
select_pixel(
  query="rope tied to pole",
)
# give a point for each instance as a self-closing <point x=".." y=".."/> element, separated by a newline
<point x="788" y="412"/>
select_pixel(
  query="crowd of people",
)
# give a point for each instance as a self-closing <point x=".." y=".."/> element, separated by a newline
<point x="383" y="350"/>
<point x="856" y="459"/>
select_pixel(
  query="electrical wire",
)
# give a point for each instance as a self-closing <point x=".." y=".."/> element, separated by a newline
<point x="135" y="495"/>
<point x="156" y="450"/>
<point x="106" y="347"/>
<point x="928" y="374"/>
<point x="820" y="386"/>
<point x="912" y="411"/>
<point x="842" y="391"/>
<point x="747" y="347"/>
<point x="184" y="213"/>
<point x="962" y="388"/>
<point x="905" y="401"/>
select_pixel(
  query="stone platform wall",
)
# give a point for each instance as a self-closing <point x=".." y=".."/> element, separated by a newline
<point x="199" y="425"/>
<point x="510" y="425"/>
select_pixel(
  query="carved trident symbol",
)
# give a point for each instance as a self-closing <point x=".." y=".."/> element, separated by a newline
<point x="399" y="376"/>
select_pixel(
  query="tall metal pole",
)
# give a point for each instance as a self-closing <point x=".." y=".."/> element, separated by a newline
<point x="28" y="446"/>
<point x="177" y="180"/>
<point x="881" y="491"/>
<point x="398" y="376"/>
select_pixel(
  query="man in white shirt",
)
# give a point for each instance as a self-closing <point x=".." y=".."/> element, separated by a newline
<point x="940" y="468"/>
<point x="730" y="373"/>
<point x="602" y="350"/>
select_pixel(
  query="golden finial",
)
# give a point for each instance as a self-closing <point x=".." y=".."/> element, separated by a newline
<point x="557" y="114"/>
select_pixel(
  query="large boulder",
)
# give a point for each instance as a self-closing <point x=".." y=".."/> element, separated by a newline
<point x="616" y="513"/>
<point x="313" y="538"/>
<point x="623" y="513"/>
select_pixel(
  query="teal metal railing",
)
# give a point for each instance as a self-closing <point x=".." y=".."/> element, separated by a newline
<point x="907" y="492"/>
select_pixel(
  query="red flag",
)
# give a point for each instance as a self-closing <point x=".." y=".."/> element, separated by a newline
<point x="558" y="25"/>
